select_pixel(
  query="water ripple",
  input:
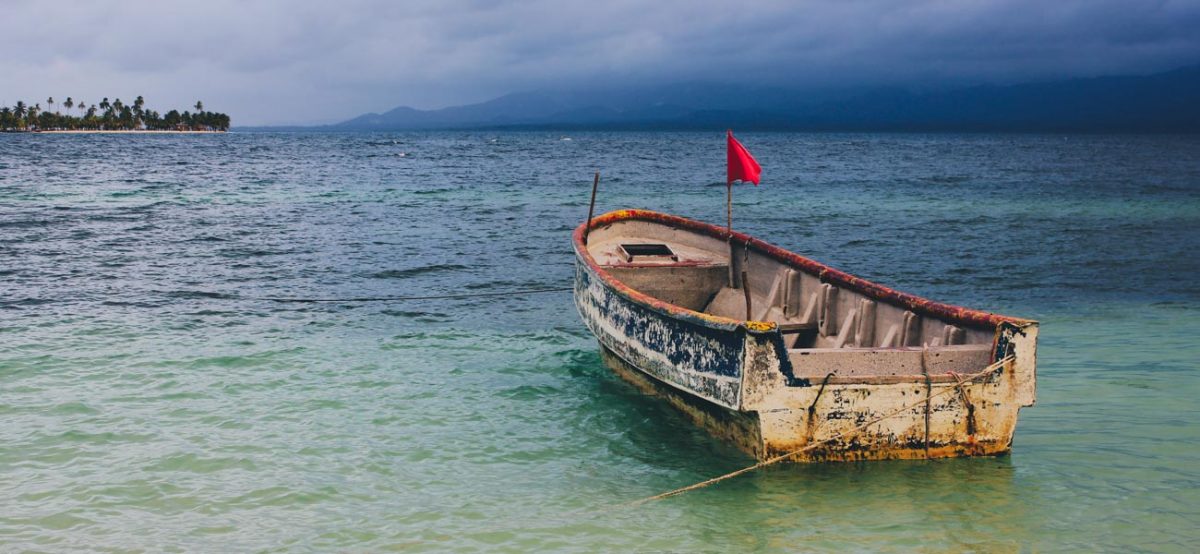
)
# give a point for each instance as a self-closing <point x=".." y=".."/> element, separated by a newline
<point x="152" y="401"/>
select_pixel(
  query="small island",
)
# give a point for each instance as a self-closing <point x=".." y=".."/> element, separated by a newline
<point x="107" y="117"/>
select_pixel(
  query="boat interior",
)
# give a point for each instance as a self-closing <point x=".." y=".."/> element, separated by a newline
<point x="827" y="329"/>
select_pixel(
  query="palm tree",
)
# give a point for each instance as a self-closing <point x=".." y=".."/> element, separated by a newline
<point x="68" y="121"/>
<point x="138" y="113"/>
<point x="151" y="121"/>
<point x="107" y="116"/>
<point x="116" y="115"/>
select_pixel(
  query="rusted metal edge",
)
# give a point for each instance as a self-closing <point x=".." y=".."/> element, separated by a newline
<point x="921" y="306"/>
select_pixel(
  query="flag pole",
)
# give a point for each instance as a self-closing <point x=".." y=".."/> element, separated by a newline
<point x="729" y="227"/>
<point x="729" y="209"/>
<point x="741" y="166"/>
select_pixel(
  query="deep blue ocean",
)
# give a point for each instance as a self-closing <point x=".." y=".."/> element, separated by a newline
<point x="151" y="400"/>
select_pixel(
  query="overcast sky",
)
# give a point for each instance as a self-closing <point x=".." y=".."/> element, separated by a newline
<point x="304" y="61"/>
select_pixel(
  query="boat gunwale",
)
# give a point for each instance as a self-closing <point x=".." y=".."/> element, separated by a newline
<point x="950" y="313"/>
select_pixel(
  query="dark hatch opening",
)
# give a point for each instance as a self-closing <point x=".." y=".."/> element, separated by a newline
<point x="648" y="250"/>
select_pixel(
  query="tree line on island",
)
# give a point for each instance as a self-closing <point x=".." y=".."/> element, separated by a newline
<point x="107" y="116"/>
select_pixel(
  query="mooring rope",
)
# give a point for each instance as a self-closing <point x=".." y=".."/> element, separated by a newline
<point x="988" y="371"/>
<point x="402" y="298"/>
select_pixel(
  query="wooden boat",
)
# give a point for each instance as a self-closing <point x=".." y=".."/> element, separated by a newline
<point x="852" y="369"/>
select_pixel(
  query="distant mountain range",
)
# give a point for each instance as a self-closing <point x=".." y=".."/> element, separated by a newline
<point x="1163" y="102"/>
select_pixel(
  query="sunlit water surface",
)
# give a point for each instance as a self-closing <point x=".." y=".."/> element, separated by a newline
<point x="150" y="402"/>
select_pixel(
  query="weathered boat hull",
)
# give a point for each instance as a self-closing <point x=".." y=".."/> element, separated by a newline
<point x="738" y="380"/>
<point x="738" y="428"/>
<point x="953" y="429"/>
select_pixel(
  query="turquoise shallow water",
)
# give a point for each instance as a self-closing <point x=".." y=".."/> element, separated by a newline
<point x="149" y="403"/>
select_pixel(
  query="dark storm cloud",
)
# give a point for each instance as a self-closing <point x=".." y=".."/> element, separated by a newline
<point x="278" y="61"/>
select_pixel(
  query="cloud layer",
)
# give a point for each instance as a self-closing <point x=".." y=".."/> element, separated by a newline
<point x="303" y="61"/>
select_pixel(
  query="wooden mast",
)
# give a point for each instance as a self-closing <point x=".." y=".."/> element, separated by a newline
<point x="591" y="208"/>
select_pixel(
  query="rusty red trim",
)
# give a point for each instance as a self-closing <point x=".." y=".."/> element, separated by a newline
<point x="921" y="306"/>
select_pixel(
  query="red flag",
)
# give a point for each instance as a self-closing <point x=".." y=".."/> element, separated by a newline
<point x="741" y="163"/>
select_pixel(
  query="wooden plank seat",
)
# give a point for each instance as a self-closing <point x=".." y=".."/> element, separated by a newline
<point x="891" y="364"/>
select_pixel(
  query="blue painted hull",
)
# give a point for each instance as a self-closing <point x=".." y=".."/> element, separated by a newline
<point x="695" y="356"/>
